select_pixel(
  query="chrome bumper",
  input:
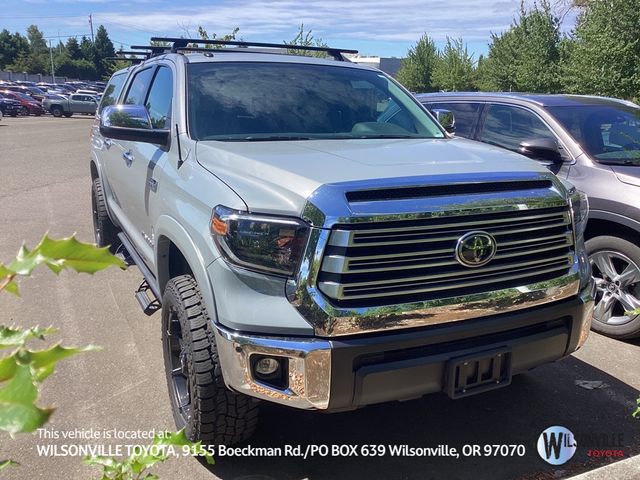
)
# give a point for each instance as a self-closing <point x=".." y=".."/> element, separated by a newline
<point x="309" y="367"/>
<point x="312" y="361"/>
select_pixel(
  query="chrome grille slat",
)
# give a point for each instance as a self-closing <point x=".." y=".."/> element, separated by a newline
<point x="495" y="232"/>
<point x="460" y="273"/>
<point x="366" y="263"/>
<point x="387" y="265"/>
<point x="438" y="288"/>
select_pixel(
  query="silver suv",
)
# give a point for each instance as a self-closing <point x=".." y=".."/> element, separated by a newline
<point x="315" y="238"/>
<point x="593" y="142"/>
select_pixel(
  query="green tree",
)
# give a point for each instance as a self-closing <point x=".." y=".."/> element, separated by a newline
<point x="86" y="48"/>
<point x="204" y="35"/>
<point x="526" y="57"/>
<point x="306" y="38"/>
<point x="103" y="49"/>
<point x="37" y="43"/>
<point x="605" y="58"/>
<point x="454" y="69"/>
<point x="11" y="47"/>
<point x="416" y="71"/>
<point x="73" y="48"/>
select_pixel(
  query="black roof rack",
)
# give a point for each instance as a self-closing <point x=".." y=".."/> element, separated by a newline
<point x="133" y="60"/>
<point x="131" y="52"/>
<point x="152" y="49"/>
<point x="183" y="43"/>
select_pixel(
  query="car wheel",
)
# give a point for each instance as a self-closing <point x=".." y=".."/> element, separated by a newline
<point x="104" y="231"/>
<point x="616" y="269"/>
<point x="56" y="111"/>
<point x="200" y="400"/>
<point x="1" y="115"/>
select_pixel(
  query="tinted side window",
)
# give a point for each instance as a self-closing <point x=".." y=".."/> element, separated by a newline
<point x="159" y="99"/>
<point x="112" y="92"/>
<point x="138" y="88"/>
<point x="466" y="115"/>
<point x="506" y="126"/>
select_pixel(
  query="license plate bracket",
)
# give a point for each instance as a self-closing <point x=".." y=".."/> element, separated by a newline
<point x="478" y="372"/>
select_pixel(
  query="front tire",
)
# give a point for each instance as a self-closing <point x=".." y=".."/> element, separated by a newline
<point x="616" y="270"/>
<point x="56" y="111"/>
<point x="200" y="400"/>
<point x="104" y="231"/>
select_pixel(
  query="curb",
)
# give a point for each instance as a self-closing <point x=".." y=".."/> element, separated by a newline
<point x="628" y="469"/>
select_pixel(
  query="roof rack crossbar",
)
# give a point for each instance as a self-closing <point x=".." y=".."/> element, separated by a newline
<point x="182" y="43"/>
<point x="152" y="49"/>
<point x="127" y="59"/>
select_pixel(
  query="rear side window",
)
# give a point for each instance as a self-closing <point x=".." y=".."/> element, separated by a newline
<point x="139" y="86"/>
<point x="506" y="126"/>
<point x="466" y="115"/>
<point x="112" y="92"/>
<point x="159" y="99"/>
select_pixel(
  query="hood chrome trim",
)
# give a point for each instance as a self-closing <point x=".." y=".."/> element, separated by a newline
<point x="328" y="206"/>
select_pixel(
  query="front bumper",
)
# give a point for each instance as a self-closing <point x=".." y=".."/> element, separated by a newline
<point x="346" y="373"/>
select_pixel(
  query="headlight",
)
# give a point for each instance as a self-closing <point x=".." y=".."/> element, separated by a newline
<point x="579" y="210"/>
<point x="259" y="242"/>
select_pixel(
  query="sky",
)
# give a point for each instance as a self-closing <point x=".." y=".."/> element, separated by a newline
<point x="374" y="27"/>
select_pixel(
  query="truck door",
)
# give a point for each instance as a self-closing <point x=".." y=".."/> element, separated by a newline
<point x="127" y="171"/>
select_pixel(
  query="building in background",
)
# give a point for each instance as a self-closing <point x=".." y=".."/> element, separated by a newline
<point x="389" y="65"/>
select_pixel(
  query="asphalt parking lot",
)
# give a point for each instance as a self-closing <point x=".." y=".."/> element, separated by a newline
<point x="45" y="186"/>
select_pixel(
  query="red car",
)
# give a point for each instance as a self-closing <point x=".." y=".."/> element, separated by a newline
<point x="29" y="105"/>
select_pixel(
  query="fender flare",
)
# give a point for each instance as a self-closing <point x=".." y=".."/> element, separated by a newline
<point x="167" y="231"/>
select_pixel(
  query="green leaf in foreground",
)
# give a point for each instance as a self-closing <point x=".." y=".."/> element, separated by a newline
<point x="43" y="362"/>
<point x="16" y="337"/>
<point x="135" y="467"/>
<point x="57" y="255"/>
<point x="18" y="411"/>
<point x="637" y="412"/>
<point x="8" y="463"/>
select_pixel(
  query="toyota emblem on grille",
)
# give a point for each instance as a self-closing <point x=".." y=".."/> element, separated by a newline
<point x="475" y="249"/>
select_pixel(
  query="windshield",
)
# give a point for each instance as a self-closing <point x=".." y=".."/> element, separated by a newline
<point x="610" y="133"/>
<point x="285" y="101"/>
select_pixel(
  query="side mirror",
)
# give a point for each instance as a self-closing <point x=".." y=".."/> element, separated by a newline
<point x="541" y="149"/>
<point x="446" y="118"/>
<point x="132" y="123"/>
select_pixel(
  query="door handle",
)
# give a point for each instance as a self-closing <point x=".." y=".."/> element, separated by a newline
<point x="108" y="142"/>
<point x="128" y="158"/>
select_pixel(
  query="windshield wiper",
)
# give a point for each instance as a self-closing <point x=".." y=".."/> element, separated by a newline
<point x="273" y="138"/>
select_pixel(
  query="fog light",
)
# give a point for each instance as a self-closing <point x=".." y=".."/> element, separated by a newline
<point x="267" y="366"/>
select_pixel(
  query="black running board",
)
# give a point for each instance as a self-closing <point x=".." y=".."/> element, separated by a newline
<point x="150" y="283"/>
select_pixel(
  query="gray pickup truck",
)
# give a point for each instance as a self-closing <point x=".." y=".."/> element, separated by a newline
<point x="76" y="103"/>
<point x="315" y="238"/>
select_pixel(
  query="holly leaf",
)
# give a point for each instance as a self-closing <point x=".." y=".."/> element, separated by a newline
<point x="16" y="337"/>
<point x="18" y="411"/>
<point x="79" y="256"/>
<point x="8" y="367"/>
<point x="7" y="281"/>
<point x="7" y="463"/>
<point x="43" y="362"/>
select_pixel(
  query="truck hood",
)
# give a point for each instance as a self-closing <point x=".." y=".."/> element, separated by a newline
<point x="627" y="174"/>
<point x="278" y="177"/>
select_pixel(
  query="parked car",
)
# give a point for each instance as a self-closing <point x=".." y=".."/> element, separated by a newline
<point x="9" y="106"/>
<point x="29" y="105"/>
<point x="76" y="103"/>
<point x="593" y="142"/>
<point x="322" y="242"/>
<point x="34" y="92"/>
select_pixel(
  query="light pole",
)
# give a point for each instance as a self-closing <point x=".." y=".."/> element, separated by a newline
<point x="53" y="73"/>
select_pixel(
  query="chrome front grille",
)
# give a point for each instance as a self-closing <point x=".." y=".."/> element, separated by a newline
<point x="384" y="263"/>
